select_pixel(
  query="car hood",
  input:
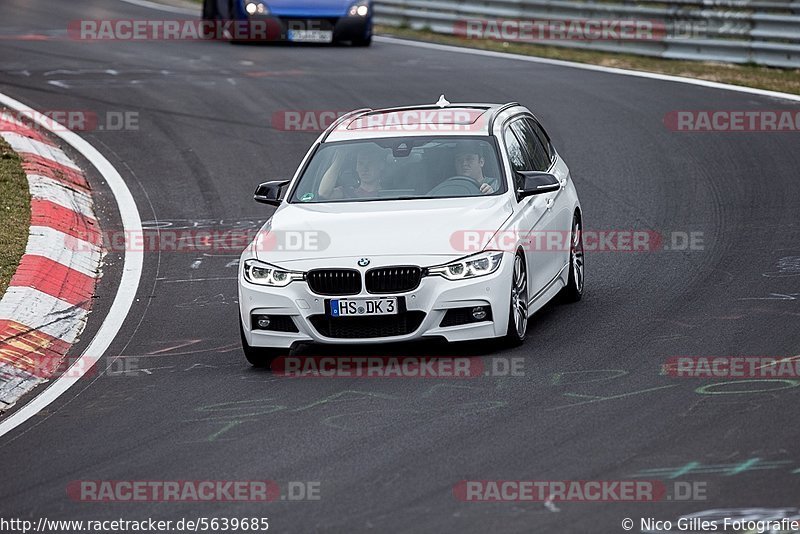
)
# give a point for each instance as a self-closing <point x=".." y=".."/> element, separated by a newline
<point x="410" y="228"/>
<point x="309" y="8"/>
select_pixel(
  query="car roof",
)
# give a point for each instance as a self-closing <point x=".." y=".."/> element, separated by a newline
<point x="442" y="118"/>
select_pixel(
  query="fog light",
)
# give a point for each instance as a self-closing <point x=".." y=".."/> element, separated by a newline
<point x="479" y="313"/>
<point x="251" y="9"/>
<point x="263" y="321"/>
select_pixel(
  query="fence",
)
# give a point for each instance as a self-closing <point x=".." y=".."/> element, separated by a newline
<point x="764" y="32"/>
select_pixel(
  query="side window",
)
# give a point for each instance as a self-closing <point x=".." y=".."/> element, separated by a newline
<point x="518" y="158"/>
<point x="531" y="144"/>
<point x="537" y="128"/>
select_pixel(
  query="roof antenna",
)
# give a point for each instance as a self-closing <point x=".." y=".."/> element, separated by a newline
<point x="442" y="103"/>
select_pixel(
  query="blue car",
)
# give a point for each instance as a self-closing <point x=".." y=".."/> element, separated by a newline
<point x="301" y="21"/>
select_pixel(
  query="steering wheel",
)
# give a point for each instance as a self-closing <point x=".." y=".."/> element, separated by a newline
<point x="456" y="186"/>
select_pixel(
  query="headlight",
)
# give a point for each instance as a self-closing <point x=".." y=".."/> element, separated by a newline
<point x="469" y="267"/>
<point x="264" y="274"/>
<point x="360" y="9"/>
<point x="256" y="7"/>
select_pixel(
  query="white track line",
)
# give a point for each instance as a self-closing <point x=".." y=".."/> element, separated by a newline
<point x="586" y="66"/>
<point x="128" y="285"/>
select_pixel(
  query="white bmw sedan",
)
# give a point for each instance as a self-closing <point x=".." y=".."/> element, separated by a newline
<point x="454" y="221"/>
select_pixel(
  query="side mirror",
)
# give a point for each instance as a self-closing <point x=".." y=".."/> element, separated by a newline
<point x="536" y="183"/>
<point x="270" y="192"/>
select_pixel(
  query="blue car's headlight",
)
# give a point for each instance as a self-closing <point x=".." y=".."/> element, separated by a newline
<point x="253" y="7"/>
<point x="359" y="9"/>
<point x="264" y="274"/>
<point x="469" y="267"/>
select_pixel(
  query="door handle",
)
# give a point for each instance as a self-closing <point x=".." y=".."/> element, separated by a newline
<point x="549" y="203"/>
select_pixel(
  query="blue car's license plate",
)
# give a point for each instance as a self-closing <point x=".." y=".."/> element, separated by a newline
<point x="311" y="36"/>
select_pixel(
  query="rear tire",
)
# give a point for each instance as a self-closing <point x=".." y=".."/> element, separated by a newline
<point x="573" y="291"/>
<point x="518" y="308"/>
<point x="257" y="356"/>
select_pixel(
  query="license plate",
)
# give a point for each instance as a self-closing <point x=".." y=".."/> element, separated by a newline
<point x="361" y="307"/>
<point x="311" y="36"/>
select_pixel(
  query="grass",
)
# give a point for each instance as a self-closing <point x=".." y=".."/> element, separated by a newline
<point x="15" y="213"/>
<point x="773" y="79"/>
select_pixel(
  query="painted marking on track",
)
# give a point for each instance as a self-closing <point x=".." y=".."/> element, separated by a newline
<point x="775" y="296"/>
<point x="225" y="428"/>
<point x="698" y="468"/>
<point x="719" y="388"/>
<point x="597" y="398"/>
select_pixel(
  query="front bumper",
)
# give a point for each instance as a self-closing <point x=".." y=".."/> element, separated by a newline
<point x="344" y="28"/>
<point x="430" y="300"/>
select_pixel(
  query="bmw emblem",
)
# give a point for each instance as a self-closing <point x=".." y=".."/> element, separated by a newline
<point x="363" y="262"/>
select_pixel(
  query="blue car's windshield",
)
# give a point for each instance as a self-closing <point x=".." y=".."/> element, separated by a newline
<point x="400" y="168"/>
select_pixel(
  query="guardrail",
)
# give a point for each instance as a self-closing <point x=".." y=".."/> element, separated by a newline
<point x="764" y="32"/>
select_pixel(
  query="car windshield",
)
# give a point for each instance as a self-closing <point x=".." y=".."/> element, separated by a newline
<point x="401" y="168"/>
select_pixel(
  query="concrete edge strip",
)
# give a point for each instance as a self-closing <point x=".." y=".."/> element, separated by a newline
<point x="47" y="301"/>
<point x="123" y="300"/>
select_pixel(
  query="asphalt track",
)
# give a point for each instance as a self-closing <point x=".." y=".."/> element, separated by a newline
<point x="592" y="404"/>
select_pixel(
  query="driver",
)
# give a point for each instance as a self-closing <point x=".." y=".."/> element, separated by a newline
<point x="469" y="161"/>
<point x="370" y="168"/>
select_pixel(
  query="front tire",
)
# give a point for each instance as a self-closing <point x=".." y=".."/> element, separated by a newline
<point x="209" y="15"/>
<point x="365" y="41"/>
<point x="518" y="309"/>
<point x="209" y="10"/>
<point x="257" y="356"/>
<point x="573" y="291"/>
